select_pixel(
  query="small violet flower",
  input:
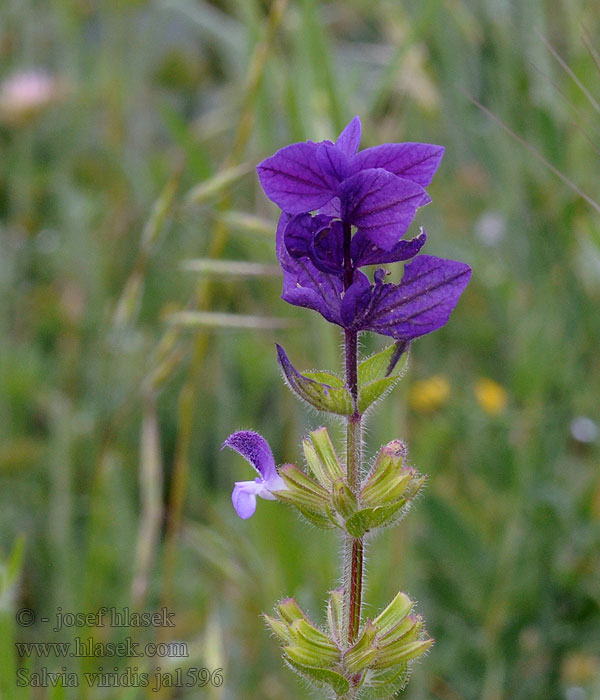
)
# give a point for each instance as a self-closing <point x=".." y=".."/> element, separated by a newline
<point x="255" y="449"/>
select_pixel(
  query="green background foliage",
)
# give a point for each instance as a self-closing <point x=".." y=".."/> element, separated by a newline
<point x="123" y="367"/>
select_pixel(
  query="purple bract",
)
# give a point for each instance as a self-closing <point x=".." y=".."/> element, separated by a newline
<point x="364" y="202"/>
<point x="378" y="190"/>
<point x="419" y="304"/>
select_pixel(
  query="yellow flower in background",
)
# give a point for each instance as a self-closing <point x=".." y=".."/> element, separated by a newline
<point x="428" y="395"/>
<point x="491" y="396"/>
<point x="580" y="668"/>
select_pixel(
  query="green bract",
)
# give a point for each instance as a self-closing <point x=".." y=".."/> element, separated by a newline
<point x="324" y="391"/>
<point x="379" y="373"/>
<point x="381" y="654"/>
<point x="326" y="499"/>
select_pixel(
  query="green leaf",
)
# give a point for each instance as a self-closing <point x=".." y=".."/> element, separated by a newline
<point x="376" y="366"/>
<point x="326" y="378"/>
<point x="372" y="392"/>
<point x="373" y="380"/>
<point x="324" y="397"/>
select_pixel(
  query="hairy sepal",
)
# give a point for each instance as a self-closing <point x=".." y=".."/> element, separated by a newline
<point x="320" y="676"/>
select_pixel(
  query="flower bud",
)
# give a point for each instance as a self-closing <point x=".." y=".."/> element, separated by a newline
<point x="308" y="656"/>
<point x="279" y="629"/>
<point x="407" y="630"/>
<point x="393" y="614"/>
<point x="289" y="611"/>
<point x="395" y="655"/>
<point x="329" y="464"/>
<point x="302" y="491"/>
<point x="389" y="481"/>
<point x="335" y="613"/>
<point x="310" y="638"/>
<point x="414" y="486"/>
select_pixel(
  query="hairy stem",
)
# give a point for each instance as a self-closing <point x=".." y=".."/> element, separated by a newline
<point x="354" y="550"/>
<point x="353" y="547"/>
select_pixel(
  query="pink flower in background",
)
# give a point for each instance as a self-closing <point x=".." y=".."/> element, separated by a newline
<point x="25" y="94"/>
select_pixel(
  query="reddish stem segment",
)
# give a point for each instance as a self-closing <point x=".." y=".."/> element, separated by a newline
<point x="354" y="552"/>
<point x="354" y="548"/>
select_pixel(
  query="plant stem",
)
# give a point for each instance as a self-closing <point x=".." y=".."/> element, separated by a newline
<point x="354" y="550"/>
<point x="353" y="547"/>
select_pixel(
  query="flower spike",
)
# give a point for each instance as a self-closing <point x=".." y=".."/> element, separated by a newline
<point x="344" y="210"/>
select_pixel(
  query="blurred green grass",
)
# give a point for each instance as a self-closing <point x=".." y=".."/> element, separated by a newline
<point x="111" y="415"/>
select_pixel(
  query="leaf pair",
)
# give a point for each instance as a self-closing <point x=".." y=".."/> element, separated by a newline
<point x="327" y="392"/>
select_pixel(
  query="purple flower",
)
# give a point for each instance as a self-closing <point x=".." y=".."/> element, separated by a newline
<point x="304" y="284"/>
<point x="320" y="238"/>
<point x="377" y="190"/>
<point x="419" y="304"/>
<point x="255" y="449"/>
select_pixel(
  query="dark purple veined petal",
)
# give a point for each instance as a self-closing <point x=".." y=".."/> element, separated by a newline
<point x="326" y="249"/>
<point x="280" y="249"/>
<point x="333" y="164"/>
<point x="332" y="208"/>
<point x="356" y="301"/>
<point x="315" y="290"/>
<point x="255" y="449"/>
<point x="303" y="284"/>
<point x="300" y="231"/>
<point x="413" y="161"/>
<point x="293" y="179"/>
<point x="349" y="139"/>
<point x="380" y="204"/>
<point x="365" y="252"/>
<point x="420" y="304"/>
